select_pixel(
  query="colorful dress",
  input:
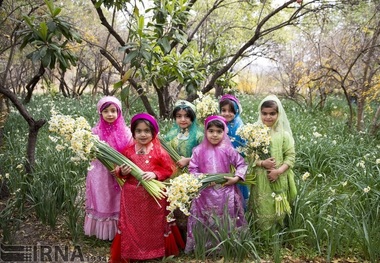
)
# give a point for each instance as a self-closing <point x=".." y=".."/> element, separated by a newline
<point x="183" y="142"/>
<point x="142" y="223"/>
<point x="261" y="201"/>
<point x="214" y="200"/>
<point x="236" y="140"/>
<point x="102" y="190"/>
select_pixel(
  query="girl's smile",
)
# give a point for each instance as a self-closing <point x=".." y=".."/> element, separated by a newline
<point x="182" y="119"/>
<point x="227" y="113"/>
<point x="109" y="114"/>
<point x="269" y="116"/>
<point x="214" y="135"/>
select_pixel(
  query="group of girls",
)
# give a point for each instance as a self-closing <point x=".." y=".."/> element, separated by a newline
<point x="131" y="217"/>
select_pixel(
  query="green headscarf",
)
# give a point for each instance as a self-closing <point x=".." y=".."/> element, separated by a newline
<point x="183" y="141"/>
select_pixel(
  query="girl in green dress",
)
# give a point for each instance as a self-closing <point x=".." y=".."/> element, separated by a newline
<point x="275" y="189"/>
<point x="183" y="137"/>
<point x="185" y="133"/>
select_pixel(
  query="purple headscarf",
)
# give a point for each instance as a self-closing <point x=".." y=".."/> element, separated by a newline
<point x="116" y="134"/>
<point x="148" y="117"/>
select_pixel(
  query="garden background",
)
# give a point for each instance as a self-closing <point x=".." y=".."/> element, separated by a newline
<point x="320" y="56"/>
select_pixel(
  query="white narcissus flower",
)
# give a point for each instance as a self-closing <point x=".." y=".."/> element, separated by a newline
<point x="361" y="164"/>
<point x="305" y="176"/>
<point x="367" y="189"/>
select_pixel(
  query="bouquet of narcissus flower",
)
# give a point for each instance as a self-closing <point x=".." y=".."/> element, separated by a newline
<point x="257" y="138"/>
<point x="184" y="188"/>
<point x="76" y="135"/>
<point x="205" y="106"/>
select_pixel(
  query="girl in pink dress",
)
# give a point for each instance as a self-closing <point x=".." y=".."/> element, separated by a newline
<point x="213" y="155"/>
<point x="102" y="190"/>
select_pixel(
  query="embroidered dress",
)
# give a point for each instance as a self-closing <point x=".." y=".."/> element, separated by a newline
<point x="144" y="232"/>
<point x="213" y="200"/>
<point x="142" y="221"/>
<point x="261" y="201"/>
<point x="183" y="141"/>
<point x="102" y="190"/>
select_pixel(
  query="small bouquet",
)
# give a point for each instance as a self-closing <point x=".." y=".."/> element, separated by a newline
<point x="281" y="204"/>
<point x="257" y="139"/>
<point x="184" y="188"/>
<point x="76" y="135"/>
<point x="205" y="106"/>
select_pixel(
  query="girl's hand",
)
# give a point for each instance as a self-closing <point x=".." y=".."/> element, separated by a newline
<point x="149" y="176"/>
<point x="183" y="162"/>
<point x="125" y="169"/>
<point x="231" y="180"/>
<point x="269" y="163"/>
<point x="273" y="175"/>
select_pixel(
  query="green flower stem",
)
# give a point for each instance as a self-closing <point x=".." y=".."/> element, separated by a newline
<point x="173" y="154"/>
<point x="105" y="153"/>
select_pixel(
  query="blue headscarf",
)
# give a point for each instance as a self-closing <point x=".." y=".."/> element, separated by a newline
<point x="236" y="122"/>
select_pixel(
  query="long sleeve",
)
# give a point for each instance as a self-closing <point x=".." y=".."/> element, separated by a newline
<point x="164" y="167"/>
<point x="288" y="150"/>
<point x="193" y="165"/>
<point x="238" y="161"/>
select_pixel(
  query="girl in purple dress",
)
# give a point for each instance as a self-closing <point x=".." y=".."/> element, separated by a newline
<point x="102" y="190"/>
<point x="213" y="155"/>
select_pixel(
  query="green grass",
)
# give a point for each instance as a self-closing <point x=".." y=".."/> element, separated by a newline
<point x="336" y="213"/>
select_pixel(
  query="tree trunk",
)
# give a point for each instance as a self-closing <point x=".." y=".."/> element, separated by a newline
<point x="32" y="84"/>
<point x="34" y="127"/>
<point x="360" y="114"/>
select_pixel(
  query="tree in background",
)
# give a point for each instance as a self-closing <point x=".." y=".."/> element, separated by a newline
<point x="186" y="46"/>
<point x="47" y="35"/>
<point x="337" y="51"/>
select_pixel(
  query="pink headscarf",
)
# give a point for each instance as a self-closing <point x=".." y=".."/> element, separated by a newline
<point x="116" y="134"/>
<point x="213" y="157"/>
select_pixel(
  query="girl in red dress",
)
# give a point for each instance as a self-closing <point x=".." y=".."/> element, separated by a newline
<point x="144" y="232"/>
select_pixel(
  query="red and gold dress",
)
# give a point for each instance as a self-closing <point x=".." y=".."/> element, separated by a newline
<point x="144" y="231"/>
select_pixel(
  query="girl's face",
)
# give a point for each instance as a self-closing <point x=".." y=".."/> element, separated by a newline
<point x="182" y="119"/>
<point x="269" y="116"/>
<point x="143" y="134"/>
<point x="109" y="114"/>
<point x="214" y="135"/>
<point x="227" y="113"/>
